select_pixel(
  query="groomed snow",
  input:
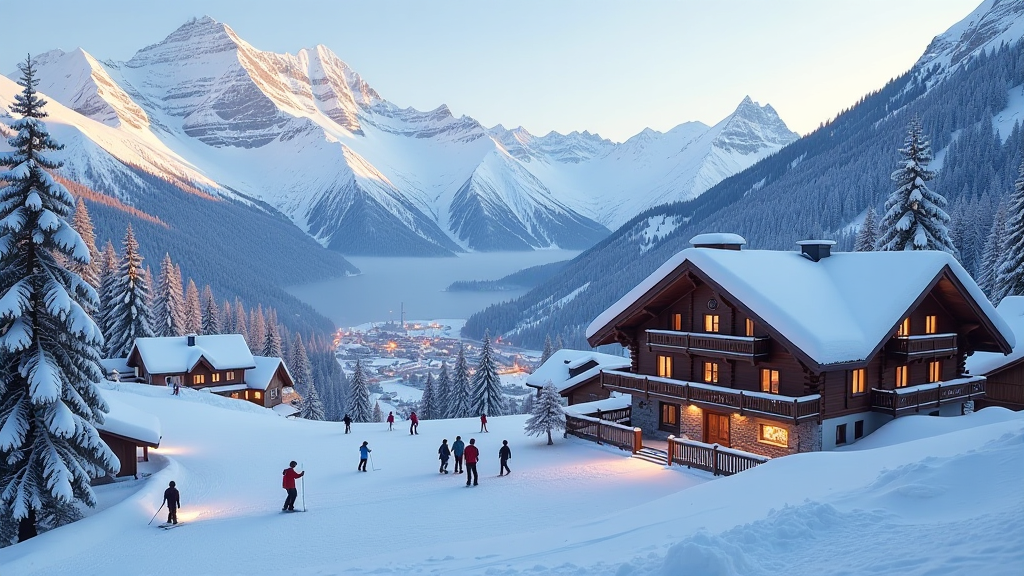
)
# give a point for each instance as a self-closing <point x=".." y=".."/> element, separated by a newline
<point x="937" y="505"/>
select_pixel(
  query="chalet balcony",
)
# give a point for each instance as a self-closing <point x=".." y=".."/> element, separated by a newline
<point x="710" y="344"/>
<point x="923" y="347"/>
<point x="786" y="408"/>
<point x="927" y="396"/>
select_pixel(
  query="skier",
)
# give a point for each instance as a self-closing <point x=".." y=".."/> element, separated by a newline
<point x="504" y="455"/>
<point x="483" y="422"/>
<point x="443" y="453"/>
<point x="171" y="498"/>
<point x="288" y="483"/>
<point x="364" y="454"/>
<point x="414" y="426"/>
<point x="348" y="423"/>
<point x="472" y="456"/>
<point x="458" y="447"/>
<point x="391" y="421"/>
<point x="177" y="389"/>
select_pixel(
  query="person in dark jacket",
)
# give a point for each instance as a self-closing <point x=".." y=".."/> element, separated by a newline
<point x="504" y="455"/>
<point x="414" y="423"/>
<point x="483" y="422"/>
<point x="364" y="454"/>
<point x="443" y="453"/>
<point x="472" y="457"/>
<point x="391" y="421"/>
<point x="458" y="447"/>
<point x="288" y="483"/>
<point x="173" y="501"/>
<point x="348" y="423"/>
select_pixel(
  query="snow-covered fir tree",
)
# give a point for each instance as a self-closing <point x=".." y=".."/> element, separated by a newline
<point x="169" y="302"/>
<point x="443" y="393"/>
<point x="558" y="344"/>
<point x="299" y="366"/>
<point x="211" y="314"/>
<point x="193" y="310"/>
<point x="241" y="325"/>
<point x="359" y="408"/>
<point x="460" y="403"/>
<point x="129" y="317"/>
<point x="49" y="358"/>
<point x="1010" y="281"/>
<point x="272" y="339"/>
<point x="992" y="255"/>
<point x="867" y="236"/>
<point x="488" y="397"/>
<point x="547" y="413"/>
<point x="108" y="284"/>
<point x="378" y="416"/>
<point x="227" y="315"/>
<point x="312" y="407"/>
<point x="914" y="218"/>
<point x="428" y="402"/>
<point x="82" y="224"/>
<point x="548" y="351"/>
<point x="257" y="329"/>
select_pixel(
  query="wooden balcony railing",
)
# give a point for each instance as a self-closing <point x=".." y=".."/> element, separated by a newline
<point x="711" y="457"/>
<point x="604" y="432"/>
<point x="708" y="343"/>
<point x="773" y="405"/>
<point x="921" y="347"/>
<point x="926" y="395"/>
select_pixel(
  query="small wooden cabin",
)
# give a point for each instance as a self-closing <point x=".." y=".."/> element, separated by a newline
<point x="129" y="433"/>
<point x="576" y="374"/>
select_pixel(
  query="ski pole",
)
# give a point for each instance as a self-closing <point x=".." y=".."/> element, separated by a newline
<point x="302" y="482"/>
<point x="372" y="465"/>
<point x="154" y="515"/>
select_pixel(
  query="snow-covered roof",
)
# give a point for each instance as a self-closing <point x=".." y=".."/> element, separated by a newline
<point x="285" y="409"/>
<point x="615" y="402"/>
<point x="225" y="388"/>
<point x="259" y="378"/>
<point x="173" y="355"/>
<point x="835" y="310"/>
<point x="119" y="364"/>
<point x="130" y="422"/>
<point x="1012" y="311"/>
<point x="717" y="238"/>
<point x="556" y="369"/>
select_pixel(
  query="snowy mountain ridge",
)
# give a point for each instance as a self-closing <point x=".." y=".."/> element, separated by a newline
<point x="991" y="24"/>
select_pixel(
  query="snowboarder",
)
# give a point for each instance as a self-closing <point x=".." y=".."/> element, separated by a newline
<point x="472" y="457"/>
<point x="391" y="421"/>
<point x="443" y="453"/>
<point x="173" y="501"/>
<point x="288" y="483"/>
<point x="348" y="423"/>
<point x="364" y="454"/>
<point x="414" y="426"/>
<point x="504" y="455"/>
<point x="458" y="447"/>
<point x="483" y="422"/>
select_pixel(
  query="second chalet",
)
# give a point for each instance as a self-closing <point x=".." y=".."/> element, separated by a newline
<point x="775" y="352"/>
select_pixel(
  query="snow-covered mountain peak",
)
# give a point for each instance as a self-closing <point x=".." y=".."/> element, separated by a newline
<point x="752" y="127"/>
<point x="993" y="23"/>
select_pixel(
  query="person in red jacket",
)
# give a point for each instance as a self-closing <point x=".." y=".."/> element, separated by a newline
<point x="414" y="423"/>
<point x="289" y="484"/>
<point x="391" y="421"/>
<point x="472" y="455"/>
<point x="483" y="422"/>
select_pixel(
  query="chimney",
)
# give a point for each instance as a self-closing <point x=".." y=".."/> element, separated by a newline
<point x="718" y="241"/>
<point x="191" y="339"/>
<point x="815" y="250"/>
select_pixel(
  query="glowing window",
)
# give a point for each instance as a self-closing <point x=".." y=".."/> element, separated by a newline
<point x="750" y="327"/>
<point x="677" y="322"/>
<point x="711" y="322"/>
<point x="230" y="376"/>
<point x="935" y="371"/>
<point x="931" y="324"/>
<point x="859" y="377"/>
<point x="774" y="435"/>
<point x="902" y="375"/>
<point x="769" y="381"/>
<point x="198" y="379"/>
<point x="665" y="366"/>
<point x="904" y="329"/>
<point x="669" y="414"/>
<point x="215" y="377"/>
<point x="711" y="372"/>
<point x="258" y="395"/>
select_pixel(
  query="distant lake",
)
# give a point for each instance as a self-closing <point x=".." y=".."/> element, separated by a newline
<point x="385" y="283"/>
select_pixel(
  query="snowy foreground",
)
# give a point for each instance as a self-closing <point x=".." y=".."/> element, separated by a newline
<point x="921" y="496"/>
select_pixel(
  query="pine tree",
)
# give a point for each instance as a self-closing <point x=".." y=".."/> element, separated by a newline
<point x="488" y="397"/>
<point x="169" y="302"/>
<point x="547" y="414"/>
<point x="428" y="403"/>
<point x="299" y="366"/>
<point x="272" y="340"/>
<point x="461" y="406"/>
<point x="443" y="393"/>
<point x="378" y="416"/>
<point x="108" y="283"/>
<point x="1010" y="281"/>
<point x="211" y="314"/>
<point x="193" y="310"/>
<point x="82" y="224"/>
<point x="548" y="351"/>
<point x="558" y="344"/>
<point x="868" y="233"/>
<point x="312" y="407"/>
<point x="988" y="276"/>
<point x="227" y="319"/>
<point x="130" y="316"/>
<point x="914" y="218"/>
<point x="359" y="396"/>
<point x="257" y="329"/>
<point x="49" y="358"/>
<point x="240" y="326"/>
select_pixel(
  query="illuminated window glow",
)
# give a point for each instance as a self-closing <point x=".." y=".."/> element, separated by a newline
<point x="931" y="324"/>
<point x="215" y="377"/>
<point x="774" y="435"/>
<point x="198" y="379"/>
<point x="665" y="366"/>
<point x="711" y="322"/>
<point x="258" y="395"/>
<point x="711" y="372"/>
<point x="750" y="327"/>
<point x="935" y="371"/>
<point x="230" y="376"/>
<point x="677" y="322"/>
<point x="901" y="376"/>
<point x="904" y="329"/>
<point x="769" y="380"/>
<point x="859" y="377"/>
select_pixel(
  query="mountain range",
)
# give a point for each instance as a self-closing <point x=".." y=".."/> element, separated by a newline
<point x="305" y="136"/>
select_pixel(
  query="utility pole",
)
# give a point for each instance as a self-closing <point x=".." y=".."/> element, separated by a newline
<point x="403" y="316"/>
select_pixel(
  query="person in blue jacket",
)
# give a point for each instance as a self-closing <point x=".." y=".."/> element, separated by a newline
<point x="364" y="453"/>
<point x="458" y="447"/>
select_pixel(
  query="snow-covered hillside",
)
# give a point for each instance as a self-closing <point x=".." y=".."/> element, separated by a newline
<point x="993" y="23"/>
<point x="308" y="135"/>
<point x="922" y="499"/>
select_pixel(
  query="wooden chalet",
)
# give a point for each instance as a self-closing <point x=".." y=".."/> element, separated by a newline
<point x="217" y="363"/>
<point x="1004" y="374"/>
<point x="129" y="433"/>
<point x="576" y="374"/>
<point x="775" y="352"/>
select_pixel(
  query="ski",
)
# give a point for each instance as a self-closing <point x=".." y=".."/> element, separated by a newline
<point x="291" y="511"/>
<point x="169" y="526"/>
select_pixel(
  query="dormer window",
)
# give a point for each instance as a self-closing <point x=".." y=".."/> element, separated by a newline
<point x="904" y="329"/>
<point x="711" y="322"/>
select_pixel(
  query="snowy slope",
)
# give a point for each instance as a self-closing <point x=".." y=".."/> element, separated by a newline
<point x="992" y="23"/>
<point x="924" y="500"/>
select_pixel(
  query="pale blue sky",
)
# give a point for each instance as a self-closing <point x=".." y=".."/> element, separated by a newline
<point x="609" y="67"/>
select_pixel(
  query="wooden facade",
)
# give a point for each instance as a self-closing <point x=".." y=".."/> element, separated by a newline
<point x="705" y="365"/>
<point x="1005" y="386"/>
<point x="127" y="452"/>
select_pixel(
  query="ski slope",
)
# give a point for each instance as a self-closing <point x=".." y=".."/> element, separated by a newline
<point x="924" y="500"/>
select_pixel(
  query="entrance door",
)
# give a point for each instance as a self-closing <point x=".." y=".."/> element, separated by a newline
<point x="716" y="429"/>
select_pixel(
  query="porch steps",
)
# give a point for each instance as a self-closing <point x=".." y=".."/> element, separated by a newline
<point x="653" y="455"/>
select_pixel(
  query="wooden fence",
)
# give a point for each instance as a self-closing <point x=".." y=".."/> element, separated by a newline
<point x="604" y="432"/>
<point x="711" y="457"/>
